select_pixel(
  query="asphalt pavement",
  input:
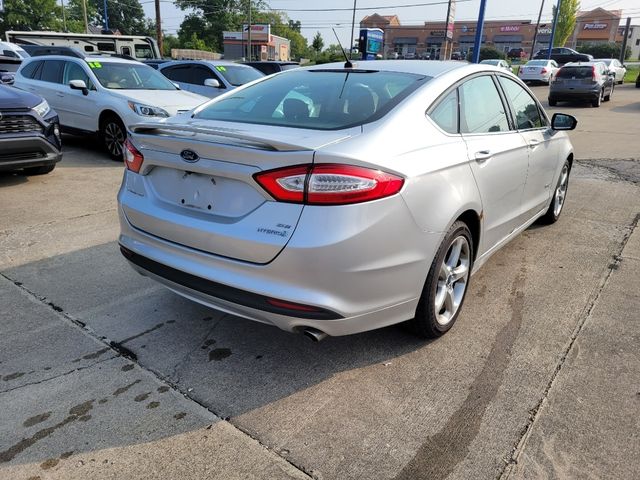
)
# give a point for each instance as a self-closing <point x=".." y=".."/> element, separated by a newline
<point x="105" y="374"/>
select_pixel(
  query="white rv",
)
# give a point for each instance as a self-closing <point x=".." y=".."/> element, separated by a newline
<point x="138" y="47"/>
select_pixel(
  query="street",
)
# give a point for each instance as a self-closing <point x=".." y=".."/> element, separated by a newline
<point x="106" y="374"/>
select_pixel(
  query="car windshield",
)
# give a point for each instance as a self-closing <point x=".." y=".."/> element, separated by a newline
<point x="315" y="99"/>
<point x="606" y="61"/>
<point x="238" y="75"/>
<point x="129" y="76"/>
<point x="576" y="72"/>
<point x="533" y="63"/>
<point x="491" y="62"/>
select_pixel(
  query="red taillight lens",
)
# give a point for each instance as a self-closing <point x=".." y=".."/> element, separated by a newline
<point x="593" y="73"/>
<point x="329" y="184"/>
<point x="543" y="71"/>
<point x="132" y="157"/>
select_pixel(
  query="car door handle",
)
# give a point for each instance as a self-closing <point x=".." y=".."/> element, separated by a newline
<point x="533" y="143"/>
<point x="483" y="155"/>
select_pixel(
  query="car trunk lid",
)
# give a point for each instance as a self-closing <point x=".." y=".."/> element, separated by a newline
<point x="197" y="185"/>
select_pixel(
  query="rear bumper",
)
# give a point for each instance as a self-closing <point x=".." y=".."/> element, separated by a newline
<point x="27" y="151"/>
<point x="356" y="286"/>
<point x="565" y="94"/>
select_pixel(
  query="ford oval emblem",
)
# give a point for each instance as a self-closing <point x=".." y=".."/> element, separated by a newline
<point x="189" y="156"/>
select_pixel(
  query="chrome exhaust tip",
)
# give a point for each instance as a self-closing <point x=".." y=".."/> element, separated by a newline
<point x="314" y="334"/>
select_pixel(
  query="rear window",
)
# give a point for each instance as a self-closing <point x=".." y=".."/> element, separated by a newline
<point x="575" y="72"/>
<point x="316" y="99"/>
<point x="533" y="63"/>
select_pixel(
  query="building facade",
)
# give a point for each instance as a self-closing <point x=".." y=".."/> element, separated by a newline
<point x="427" y="40"/>
<point x="264" y="45"/>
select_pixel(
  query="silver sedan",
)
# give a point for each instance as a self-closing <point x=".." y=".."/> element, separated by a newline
<point x="337" y="199"/>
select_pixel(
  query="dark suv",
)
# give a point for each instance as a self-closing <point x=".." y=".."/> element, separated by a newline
<point x="29" y="133"/>
<point x="590" y="81"/>
<point x="563" y="55"/>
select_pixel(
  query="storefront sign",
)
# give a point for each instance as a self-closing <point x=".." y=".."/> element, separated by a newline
<point x="595" y="26"/>
<point x="258" y="32"/>
<point x="544" y="31"/>
<point x="467" y="29"/>
<point x="437" y="33"/>
<point x="510" y="28"/>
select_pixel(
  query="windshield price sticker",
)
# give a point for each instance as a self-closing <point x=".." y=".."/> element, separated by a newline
<point x="220" y="68"/>
<point x="94" y="64"/>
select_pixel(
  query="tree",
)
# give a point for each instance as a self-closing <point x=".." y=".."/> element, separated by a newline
<point x="75" y="17"/>
<point x="566" y="21"/>
<point x="31" y="15"/>
<point x="127" y="17"/>
<point x="488" y="53"/>
<point x="169" y="42"/>
<point x="318" y="43"/>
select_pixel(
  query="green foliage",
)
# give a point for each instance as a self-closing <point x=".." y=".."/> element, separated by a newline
<point x="566" y="21"/>
<point x="125" y="16"/>
<point x="31" y="14"/>
<point x="169" y="42"/>
<point x="282" y="26"/>
<point x="604" y="50"/>
<point x="318" y="43"/>
<point x="333" y="53"/>
<point x="75" y="17"/>
<point x="489" y="53"/>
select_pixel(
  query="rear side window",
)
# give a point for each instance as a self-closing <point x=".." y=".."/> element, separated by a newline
<point x="143" y="51"/>
<point x="32" y="70"/>
<point x="52" y="71"/>
<point x="177" y="74"/>
<point x="575" y="72"/>
<point x="481" y="108"/>
<point x="525" y="108"/>
<point x="445" y="113"/>
<point x="316" y="99"/>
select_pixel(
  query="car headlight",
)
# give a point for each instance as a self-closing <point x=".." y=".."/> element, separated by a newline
<point x="148" y="110"/>
<point x="42" y="108"/>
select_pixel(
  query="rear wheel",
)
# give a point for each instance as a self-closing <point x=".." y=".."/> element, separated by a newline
<point x="446" y="284"/>
<point x="608" y="97"/>
<point x="42" y="170"/>
<point x="598" y="100"/>
<point x="113" y="136"/>
<point x="559" y="196"/>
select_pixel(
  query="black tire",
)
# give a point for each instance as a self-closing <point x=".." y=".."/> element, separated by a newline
<point x="42" y="170"/>
<point x="608" y="97"/>
<point x="554" y="211"/>
<point x="598" y="100"/>
<point x="428" y="323"/>
<point x="113" y="135"/>
<point x="552" y="102"/>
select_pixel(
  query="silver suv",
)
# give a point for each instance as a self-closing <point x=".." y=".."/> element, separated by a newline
<point x="586" y="81"/>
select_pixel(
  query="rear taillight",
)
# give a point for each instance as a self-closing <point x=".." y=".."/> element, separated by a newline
<point x="593" y="73"/>
<point x="132" y="157"/>
<point x="328" y="184"/>
<point x="543" y="71"/>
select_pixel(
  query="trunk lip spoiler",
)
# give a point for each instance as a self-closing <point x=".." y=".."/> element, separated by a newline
<point x="258" y="141"/>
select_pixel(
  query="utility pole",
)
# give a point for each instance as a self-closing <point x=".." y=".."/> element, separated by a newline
<point x="624" y="40"/>
<point x="535" y="34"/>
<point x="479" y="28"/>
<point x="553" y="29"/>
<point x="353" y="24"/>
<point x="106" y="16"/>
<point x="159" y="28"/>
<point x="64" y="17"/>
<point x="84" y="14"/>
<point x="249" y="32"/>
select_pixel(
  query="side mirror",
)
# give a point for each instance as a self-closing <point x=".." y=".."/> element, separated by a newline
<point x="212" y="82"/>
<point x="562" y="121"/>
<point x="79" y="85"/>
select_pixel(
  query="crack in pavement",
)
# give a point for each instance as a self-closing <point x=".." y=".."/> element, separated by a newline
<point x="158" y="375"/>
<point x="55" y="377"/>
<point x="521" y="444"/>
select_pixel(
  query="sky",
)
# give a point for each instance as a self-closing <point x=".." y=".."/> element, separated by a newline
<point x="322" y="21"/>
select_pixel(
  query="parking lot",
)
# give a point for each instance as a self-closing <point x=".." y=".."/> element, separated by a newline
<point x="105" y="374"/>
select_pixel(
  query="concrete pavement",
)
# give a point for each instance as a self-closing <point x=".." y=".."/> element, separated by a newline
<point x="98" y="365"/>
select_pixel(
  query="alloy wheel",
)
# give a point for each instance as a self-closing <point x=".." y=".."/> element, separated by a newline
<point x="113" y="138"/>
<point x="452" y="280"/>
<point x="561" y="191"/>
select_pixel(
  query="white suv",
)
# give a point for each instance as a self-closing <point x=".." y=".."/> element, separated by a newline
<point x="103" y="95"/>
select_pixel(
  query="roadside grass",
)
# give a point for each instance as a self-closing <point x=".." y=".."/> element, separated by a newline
<point x="632" y="73"/>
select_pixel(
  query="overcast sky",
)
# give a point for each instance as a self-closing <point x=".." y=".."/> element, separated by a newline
<point x="341" y="20"/>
